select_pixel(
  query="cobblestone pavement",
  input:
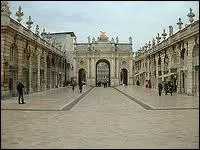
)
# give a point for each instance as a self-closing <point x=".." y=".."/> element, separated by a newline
<point x="54" y="99"/>
<point x="153" y="100"/>
<point x="104" y="118"/>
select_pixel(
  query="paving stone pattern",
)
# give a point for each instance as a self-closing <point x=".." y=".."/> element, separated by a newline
<point x="101" y="118"/>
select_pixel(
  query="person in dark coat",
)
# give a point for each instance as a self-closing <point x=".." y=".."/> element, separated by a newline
<point x="166" y="88"/>
<point x="160" y="87"/>
<point x="170" y="88"/>
<point x="137" y="83"/>
<point x="80" y="86"/>
<point x="20" y="87"/>
<point x="73" y="85"/>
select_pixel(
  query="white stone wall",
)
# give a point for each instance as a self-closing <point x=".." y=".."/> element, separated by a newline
<point x="94" y="52"/>
<point x="172" y="46"/>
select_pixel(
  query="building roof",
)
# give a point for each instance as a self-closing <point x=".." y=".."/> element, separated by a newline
<point x="71" y="33"/>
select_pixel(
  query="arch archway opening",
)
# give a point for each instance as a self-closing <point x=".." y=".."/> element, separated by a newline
<point x="82" y="76"/>
<point x="102" y="72"/>
<point x="124" y="76"/>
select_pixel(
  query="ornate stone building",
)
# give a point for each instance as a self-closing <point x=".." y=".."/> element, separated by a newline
<point x="47" y="61"/>
<point x="104" y="59"/>
<point x="175" y="59"/>
<point x="65" y="41"/>
<point x="27" y="57"/>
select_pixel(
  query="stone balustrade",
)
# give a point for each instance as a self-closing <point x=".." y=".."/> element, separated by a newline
<point x="179" y="36"/>
<point x="28" y="33"/>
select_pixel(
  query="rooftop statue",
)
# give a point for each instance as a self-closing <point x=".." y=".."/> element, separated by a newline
<point x="103" y="36"/>
<point x="89" y="40"/>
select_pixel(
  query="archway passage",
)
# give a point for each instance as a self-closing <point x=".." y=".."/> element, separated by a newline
<point x="81" y="76"/>
<point x="124" y="76"/>
<point x="102" y="72"/>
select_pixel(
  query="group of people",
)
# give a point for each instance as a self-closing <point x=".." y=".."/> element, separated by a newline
<point x="80" y="86"/>
<point x="168" y="88"/>
<point x="104" y="83"/>
<point x="148" y="84"/>
<point x="20" y="89"/>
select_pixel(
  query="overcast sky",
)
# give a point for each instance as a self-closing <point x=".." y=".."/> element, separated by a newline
<point x="141" y="20"/>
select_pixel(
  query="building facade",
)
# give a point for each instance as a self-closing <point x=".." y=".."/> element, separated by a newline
<point x="47" y="61"/>
<point x="65" y="41"/>
<point x="25" y="56"/>
<point x="104" y="59"/>
<point x="175" y="59"/>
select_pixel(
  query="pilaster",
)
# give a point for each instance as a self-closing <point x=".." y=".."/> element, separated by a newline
<point x="45" y="71"/>
<point x="190" y="75"/>
<point x="93" y="68"/>
<point x="38" y="72"/>
<point x="88" y="67"/>
<point x="30" y="73"/>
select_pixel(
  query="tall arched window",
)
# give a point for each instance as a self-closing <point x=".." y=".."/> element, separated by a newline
<point x="13" y="54"/>
<point x="159" y="63"/>
<point x="166" y="62"/>
<point x="183" y="54"/>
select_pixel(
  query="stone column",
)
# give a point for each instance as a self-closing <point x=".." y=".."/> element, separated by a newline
<point x="93" y="68"/>
<point x="75" y="69"/>
<point x="88" y="67"/>
<point x="38" y="72"/>
<point x="197" y="82"/>
<point x="112" y="67"/>
<point x="115" y="60"/>
<point x="130" y="82"/>
<point x="162" y="67"/>
<point x="50" y="66"/>
<point x="156" y="79"/>
<point x="30" y="74"/>
<point x="93" y="71"/>
<point x="45" y="71"/>
<point x="117" y="70"/>
<point x="179" y="78"/>
<point x="117" y="67"/>
<point x="190" y="77"/>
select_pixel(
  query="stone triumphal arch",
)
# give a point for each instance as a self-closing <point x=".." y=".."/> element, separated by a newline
<point x="104" y="59"/>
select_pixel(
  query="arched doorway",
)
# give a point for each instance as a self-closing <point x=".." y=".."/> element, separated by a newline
<point x="124" y="76"/>
<point x="102" y="71"/>
<point x="81" y="76"/>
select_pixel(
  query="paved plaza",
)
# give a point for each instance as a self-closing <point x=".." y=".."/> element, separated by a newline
<point x="119" y="117"/>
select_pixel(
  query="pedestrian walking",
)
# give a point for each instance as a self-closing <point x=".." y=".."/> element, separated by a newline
<point x="170" y="87"/>
<point x="20" y="87"/>
<point x="137" y="83"/>
<point x="160" y="87"/>
<point x="73" y="85"/>
<point x="80" y="86"/>
<point x="166" y="88"/>
<point x="104" y="84"/>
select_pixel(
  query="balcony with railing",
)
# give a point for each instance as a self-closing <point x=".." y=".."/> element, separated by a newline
<point x="26" y="32"/>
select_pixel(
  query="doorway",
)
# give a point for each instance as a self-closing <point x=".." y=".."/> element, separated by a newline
<point x="124" y="76"/>
<point x="102" y="72"/>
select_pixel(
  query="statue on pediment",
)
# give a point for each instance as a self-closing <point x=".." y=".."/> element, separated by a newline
<point x="89" y="40"/>
<point x="103" y="36"/>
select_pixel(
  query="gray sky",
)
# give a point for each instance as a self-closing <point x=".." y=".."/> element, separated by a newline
<point x="141" y="20"/>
